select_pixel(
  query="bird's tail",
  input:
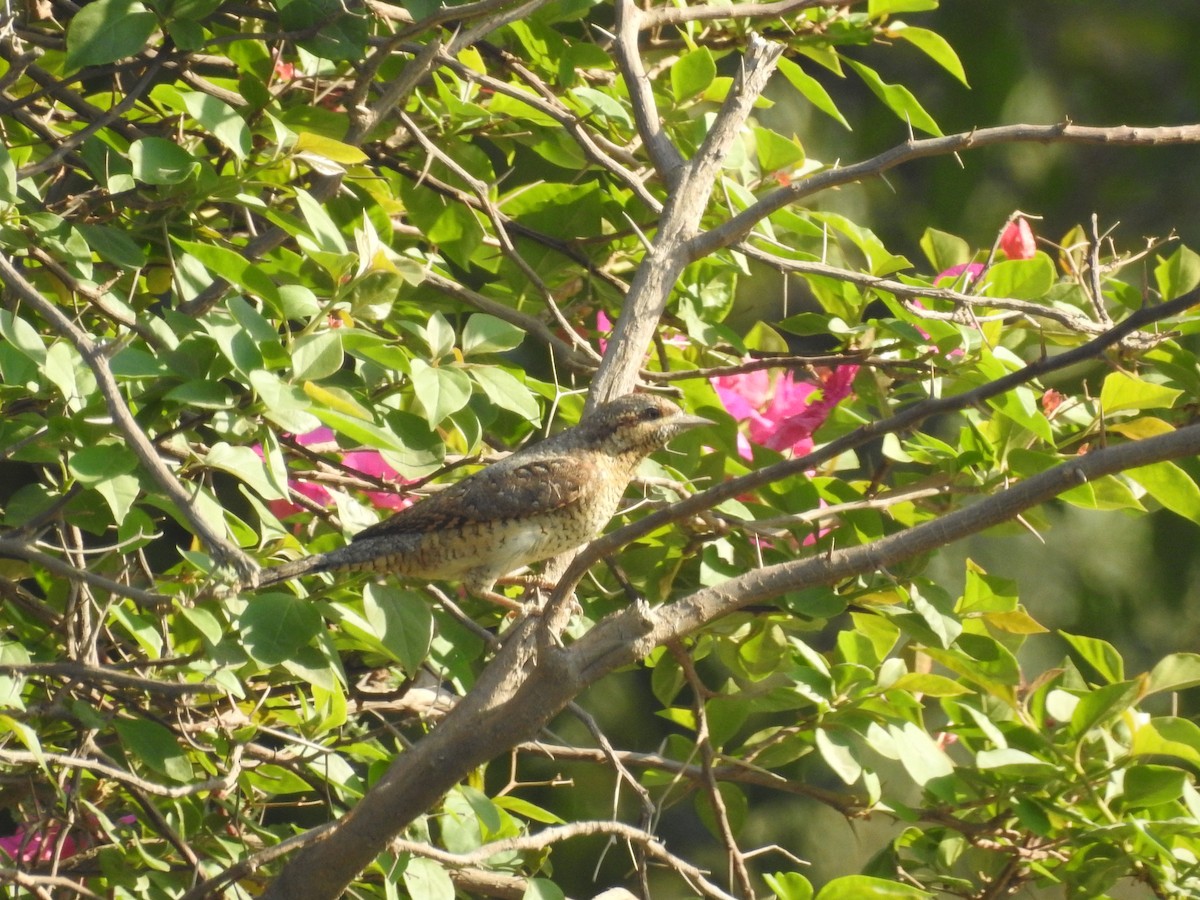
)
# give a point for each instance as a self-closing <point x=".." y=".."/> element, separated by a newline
<point x="307" y="565"/>
<point x="355" y="556"/>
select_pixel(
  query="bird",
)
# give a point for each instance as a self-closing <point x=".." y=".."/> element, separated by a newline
<point x="545" y="499"/>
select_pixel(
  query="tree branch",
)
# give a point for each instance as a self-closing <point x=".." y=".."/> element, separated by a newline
<point x="669" y="252"/>
<point x="734" y="229"/>
<point x="473" y="733"/>
<point x="93" y="356"/>
<point x="903" y="420"/>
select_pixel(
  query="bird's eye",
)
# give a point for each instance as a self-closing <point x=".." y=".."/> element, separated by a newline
<point x="650" y="414"/>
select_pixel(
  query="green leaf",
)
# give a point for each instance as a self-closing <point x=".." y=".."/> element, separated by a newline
<point x="328" y="236"/>
<point x="488" y="334"/>
<point x="424" y="879"/>
<point x="865" y="887"/>
<point x="1168" y="736"/>
<point x="246" y="465"/>
<point x="506" y="391"/>
<point x="897" y="98"/>
<point x="8" y="177"/>
<point x="929" y="684"/>
<point x="274" y="626"/>
<point x="542" y="889"/>
<point x="327" y="148"/>
<point x="101" y="461"/>
<point x="25" y="735"/>
<point x="1101" y="706"/>
<point x="1175" y="672"/>
<point x="920" y="755"/>
<point x="1100" y="655"/>
<point x="601" y="106"/>
<point x="402" y="621"/>
<point x="527" y="810"/>
<point x="775" y="152"/>
<point x="1122" y="391"/>
<point x="1151" y="785"/>
<point x="120" y="493"/>
<point x="439" y="391"/>
<point x="107" y="30"/>
<point x="812" y="90"/>
<point x="944" y="250"/>
<point x="12" y="654"/>
<point x="221" y="120"/>
<point x="234" y="268"/>
<point x="789" y="886"/>
<point x="114" y="245"/>
<point x="155" y="746"/>
<point x="60" y="368"/>
<point x="1178" y="273"/>
<point x="159" y="161"/>
<point x="1171" y="486"/>
<point x="692" y="73"/>
<point x="23" y="336"/>
<point x="1020" y="279"/>
<point x="336" y="33"/>
<point x="839" y="754"/>
<point x="368" y="434"/>
<point x="1015" y="762"/>
<point x="932" y="45"/>
<point x="317" y="355"/>
<point x="736" y="808"/>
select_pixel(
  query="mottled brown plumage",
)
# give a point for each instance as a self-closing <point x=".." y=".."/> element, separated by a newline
<point x="543" y="500"/>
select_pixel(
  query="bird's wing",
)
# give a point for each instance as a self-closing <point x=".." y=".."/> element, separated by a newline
<point x="494" y="494"/>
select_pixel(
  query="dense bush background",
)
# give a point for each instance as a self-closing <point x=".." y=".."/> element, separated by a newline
<point x="270" y="269"/>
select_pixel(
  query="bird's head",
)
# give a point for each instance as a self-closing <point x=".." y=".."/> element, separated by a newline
<point x="636" y="424"/>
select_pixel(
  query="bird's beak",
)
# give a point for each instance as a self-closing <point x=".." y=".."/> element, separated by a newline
<point x="687" y="422"/>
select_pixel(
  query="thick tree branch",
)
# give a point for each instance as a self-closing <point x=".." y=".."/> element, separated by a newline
<point x="471" y="734"/>
<point x="668" y="253"/>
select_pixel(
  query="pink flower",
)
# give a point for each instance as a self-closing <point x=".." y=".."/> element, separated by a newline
<point x="368" y="462"/>
<point x="322" y="435"/>
<point x="784" y="416"/>
<point x="604" y="326"/>
<point x="968" y="271"/>
<point x="1017" y="241"/>
<point x="37" y="845"/>
<point x="371" y="462"/>
<point x="34" y="843"/>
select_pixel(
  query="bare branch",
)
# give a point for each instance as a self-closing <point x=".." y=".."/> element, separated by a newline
<point x="1069" y="319"/>
<point x="663" y="154"/>
<point x="662" y="265"/>
<point x="21" y="550"/>
<point x="23" y="757"/>
<point x="740" y="225"/>
<point x="661" y="16"/>
<point x="555" y="835"/>
<point x="737" y="860"/>
<point x="847" y="805"/>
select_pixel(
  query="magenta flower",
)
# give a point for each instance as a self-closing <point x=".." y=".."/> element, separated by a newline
<point x="35" y="843"/>
<point x="368" y="462"/>
<point x="968" y="271"/>
<point x="371" y="462"/>
<point x="782" y="416"/>
<point x="604" y="328"/>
